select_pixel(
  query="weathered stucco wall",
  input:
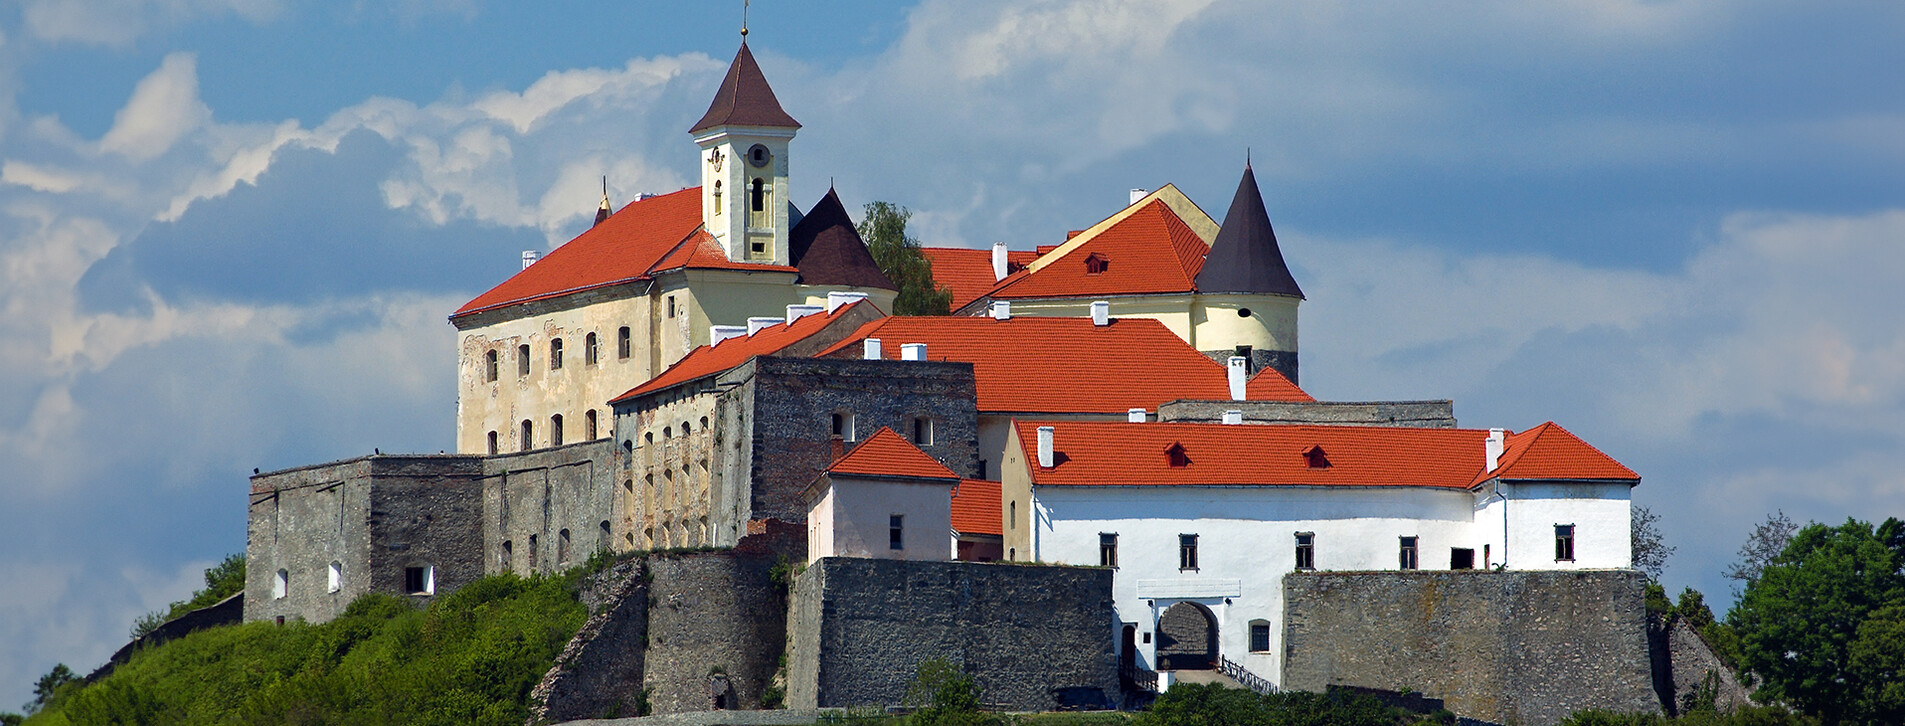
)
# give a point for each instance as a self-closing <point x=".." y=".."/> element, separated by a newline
<point x="1508" y="647"/>
<point x="859" y="629"/>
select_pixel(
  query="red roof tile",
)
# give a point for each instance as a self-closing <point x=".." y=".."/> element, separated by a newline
<point x="1090" y="453"/>
<point x="646" y="237"/>
<point x="1060" y="365"/>
<point x="969" y="272"/>
<point x="1551" y="452"/>
<point x="710" y="360"/>
<point x="886" y="454"/>
<point x="975" y="507"/>
<point x="1150" y="251"/>
<point x="1270" y="385"/>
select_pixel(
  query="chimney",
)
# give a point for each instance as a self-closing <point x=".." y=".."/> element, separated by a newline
<point x="755" y="325"/>
<point x="837" y="299"/>
<point x="529" y="258"/>
<point x="718" y="333"/>
<point x="796" y="312"/>
<point x="839" y="446"/>
<point x="1497" y="440"/>
<point x="1137" y="195"/>
<point x="1001" y="310"/>
<point x="1239" y="370"/>
<point x="872" y="349"/>
<point x="1101" y="313"/>
<point x="1045" y="447"/>
<point x="1233" y="417"/>
<point x="912" y="351"/>
<point x="1135" y="415"/>
<point x="998" y="261"/>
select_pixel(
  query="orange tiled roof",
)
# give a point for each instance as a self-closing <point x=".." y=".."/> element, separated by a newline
<point x="975" y="507"/>
<point x="646" y="237"/>
<point x="968" y="272"/>
<point x="710" y="360"/>
<point x="1135" y="261"/>
<point x="1061" y="365"/>
<point x="1551" y="452"/>
<point x="1270" y="385"/>
<point x="1090" y="453"/>
<point x="886" y="454"/>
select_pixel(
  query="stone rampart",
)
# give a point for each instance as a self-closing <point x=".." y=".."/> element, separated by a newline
<point x="1526" y="647"/>
<point x="859" y="628"/>
<point x="1409" y="414"/>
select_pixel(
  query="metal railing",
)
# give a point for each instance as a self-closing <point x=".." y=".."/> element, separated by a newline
<point x="1250" y="680"/>
<point x="1138" y="679"/>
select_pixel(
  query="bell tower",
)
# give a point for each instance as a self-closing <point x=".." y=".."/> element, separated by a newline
<point x="743" y="139"/>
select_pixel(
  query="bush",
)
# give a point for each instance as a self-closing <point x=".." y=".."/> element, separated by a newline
<point x="1191" y="704"/>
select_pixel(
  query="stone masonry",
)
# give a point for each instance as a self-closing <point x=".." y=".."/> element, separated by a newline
<point x="1413" y="414"/>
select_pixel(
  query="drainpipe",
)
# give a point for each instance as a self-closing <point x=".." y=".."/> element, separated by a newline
<point x="1504" y="498"/>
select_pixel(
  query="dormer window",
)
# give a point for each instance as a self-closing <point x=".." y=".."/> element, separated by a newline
<point x="1096" y="264"/>
<point x="1176" y="457"/>
<point x="1316" y="458"/>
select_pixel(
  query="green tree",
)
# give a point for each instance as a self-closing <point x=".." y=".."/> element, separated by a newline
<point x="1878" y="656"/>
<point x="1799" y="620"/>
<point x="898" y="255"/>
<point x="944" y="696"/>
<point x="48" y="689"/>
<point x="222" y="580"/>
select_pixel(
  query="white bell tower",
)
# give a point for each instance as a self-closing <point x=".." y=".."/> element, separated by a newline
<point x="743" y="140"/>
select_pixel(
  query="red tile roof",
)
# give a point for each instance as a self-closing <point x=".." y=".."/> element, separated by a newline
<point x="968" y="272"/>
<point x="1150" y="251"/>
<point x="886" y="454"/>
<point x="1270" y="385"/>
<point x="711" y="360"/>
<point x="975" y="507"/>
<point x="644" y="238"/>
<point x="1090" y="453"/>
<point x="1060" y="365"/>
<point x="1551" y="452"/>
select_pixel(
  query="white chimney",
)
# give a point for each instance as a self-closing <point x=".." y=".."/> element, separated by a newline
<point x="1001" y="310"/>
<point x="872" y="349"/>
<point x="529" y="258"/>
<point x="1137" y="195"/>
<point x="1233" y="417"/>
<point x="912" y="351"/>
<point x="998" y="261"/>
<point x="796" y="312"/>
<point x="1045" y="447"/>
<point x="1497" y="440"/>
<point x="1101" y="313"/>
<point x="837" y="299"/>
<point x="755" y="325"/>
<point x="1135" y="415"/>
<point x="718" y="333"/>
<point x="1239" y="370"/>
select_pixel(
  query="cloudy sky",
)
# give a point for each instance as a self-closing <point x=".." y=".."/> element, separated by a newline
<point x="231" y="230"/>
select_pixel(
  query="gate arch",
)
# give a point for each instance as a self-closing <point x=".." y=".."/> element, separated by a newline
<point x="1187" y="638"/>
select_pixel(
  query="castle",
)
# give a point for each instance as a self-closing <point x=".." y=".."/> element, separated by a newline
<point x="710" y="367"/>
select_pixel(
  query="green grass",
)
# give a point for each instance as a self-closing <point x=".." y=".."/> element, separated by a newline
<point x="470" y="658"/>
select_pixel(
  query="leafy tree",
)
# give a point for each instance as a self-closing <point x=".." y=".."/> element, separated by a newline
<point x="1650" y="548"/>
<point x="11" y="719"/>
<point x="898" y="255"/>
<point x="48" y="689"/>
<point x="1769" y="538"/>
<point x="944" y="696"/>
<point x="222" y="580"/>
<point x="1802" y="616"/>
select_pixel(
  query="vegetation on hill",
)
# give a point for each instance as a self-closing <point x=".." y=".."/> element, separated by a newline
<point x="470" y="658"/>
<point x="898" y="255"/>
<point x="222" y="580"/>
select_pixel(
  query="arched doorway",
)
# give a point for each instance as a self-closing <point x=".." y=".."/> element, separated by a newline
<point x="1187" y="638"/>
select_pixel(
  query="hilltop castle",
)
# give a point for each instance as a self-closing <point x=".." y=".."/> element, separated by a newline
<point x="713" y="368"/>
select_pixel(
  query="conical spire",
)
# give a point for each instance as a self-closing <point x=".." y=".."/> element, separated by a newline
<point x="744" y="99"/>
<point x="829" y="251"/>
<point x="1245" y="257"/>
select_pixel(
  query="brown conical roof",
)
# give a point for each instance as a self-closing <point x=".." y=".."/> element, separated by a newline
<point x="1245" y="257"/>
<point x="744" y="99"/>
<point x="829" y="251"/>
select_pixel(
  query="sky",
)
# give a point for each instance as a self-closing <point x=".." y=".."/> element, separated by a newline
<point x="231" y="231"/>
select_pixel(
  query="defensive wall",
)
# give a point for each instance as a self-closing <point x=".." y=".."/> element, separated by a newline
<point x="859" y="628"/>
<point x="1526" y="647"/>
<point x="1408" y="414"/>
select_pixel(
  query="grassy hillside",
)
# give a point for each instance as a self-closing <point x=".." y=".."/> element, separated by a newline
<point x="470" y="658"/>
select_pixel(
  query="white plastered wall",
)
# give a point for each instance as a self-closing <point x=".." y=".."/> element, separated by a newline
<point x="1524" y="539"/>
<point x="852" y="518"/>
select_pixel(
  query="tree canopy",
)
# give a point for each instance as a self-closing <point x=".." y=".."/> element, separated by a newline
<point x="899" y="256"/>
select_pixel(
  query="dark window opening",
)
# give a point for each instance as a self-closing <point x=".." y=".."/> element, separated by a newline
<point x="1305" y="551"/>
<point x="528" y="431"/>
<point x="522" y="360"/>
<point x="1243" y="312"/>
<point x="757" y="197"/>
<point x="1259" y="636"/>
<point x="419" y="580"/>
<point x="555" y="430"/>
<point x="562" y="547"/>
<point x="555" y="354"/>
<point x="1096" y="264"/>
<point x="1461" y="558"/>
<point x="923" y="431"/>
<point x="1176" y="457"/>
<point x="622" y="342"/>
<point x="1564" y="543"/>
<point x="532" y="552"/>
<point x="505" y="558"/>
<point x="895" y="532"/>
<point x="1187" y="552"/>
<point x="1406" y="556"/>
<point x="492" y="443"/>
<point x="1108" y="550"/>
<point x="588" y="349"/>
<point x="589" y="419"/>
<point x="489" y="367"/>
<point x="671" y="306"/>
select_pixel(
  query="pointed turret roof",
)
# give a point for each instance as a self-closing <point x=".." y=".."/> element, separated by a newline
<point x="744" y="99"/>
<point x="829" y="251"/>
<point x="1245" y="257"/>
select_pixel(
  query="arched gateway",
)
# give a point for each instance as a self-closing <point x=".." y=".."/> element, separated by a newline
<point x="1187" y="638"/>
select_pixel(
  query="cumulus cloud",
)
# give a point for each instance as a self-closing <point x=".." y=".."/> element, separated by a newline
<point x="164" y="106"/>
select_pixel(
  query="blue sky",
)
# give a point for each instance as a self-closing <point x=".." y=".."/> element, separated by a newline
<point x="231" y="230"/>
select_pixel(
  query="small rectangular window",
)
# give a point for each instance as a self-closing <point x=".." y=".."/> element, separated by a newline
<point x="671" y="306"/>
<point x="1108" y="549"/>
<point x="1306" y="550"/>
<point x="922" y="431"/>
<point x="489" y="367"/>
<point x="555" y="354"/>
<point x="492" y="443"/>
<point x="1461" y="558"/>
<point x="522" y="360"/>
<point x="843" y="425"/>
<point x="1564" y="543"/>
<point x="420" y="580"/>
<point x="622" y="343"/>
<point x="334" y="577"/>
<point x="1259" y="636"/>
<point x="1187" y="552"/>
<point x="1406" y="557"/>
<point x="590" y="419"/>
<point x="555" y="430"/>
<point x="588" y="349"/>
<point x="896" y="532"/>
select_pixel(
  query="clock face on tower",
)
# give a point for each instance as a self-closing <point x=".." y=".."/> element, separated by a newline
<point x="758" y="156"/>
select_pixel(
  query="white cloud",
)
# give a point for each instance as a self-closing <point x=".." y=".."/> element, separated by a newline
<point x="40" y="178"/>
<point x="119" y="22"/>
<point x="163" y="108"/>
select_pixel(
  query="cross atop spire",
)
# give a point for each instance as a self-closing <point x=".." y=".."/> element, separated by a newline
<point x="744" y="99"/>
